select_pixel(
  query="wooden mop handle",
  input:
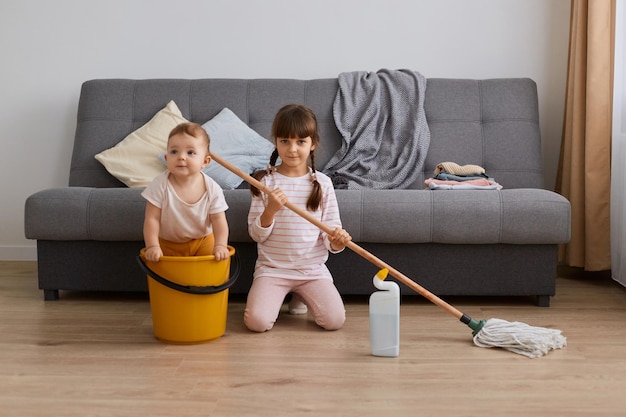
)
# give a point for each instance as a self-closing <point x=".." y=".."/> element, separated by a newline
<point x="353" y="246"/>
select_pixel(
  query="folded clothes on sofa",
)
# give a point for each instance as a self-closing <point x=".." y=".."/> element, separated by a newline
<point x="456" y="169"/>
<point x="452" y="177"/>
<point x="475" y="184"/>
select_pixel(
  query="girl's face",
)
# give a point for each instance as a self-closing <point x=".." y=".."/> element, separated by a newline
<point x="294" y="154"/>
<point x="186" y="155"/>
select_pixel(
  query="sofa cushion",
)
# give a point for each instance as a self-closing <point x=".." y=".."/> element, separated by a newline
<point x="85" y="213"/>
<point x="521" y="216"/>
<point x="134" y="161"/>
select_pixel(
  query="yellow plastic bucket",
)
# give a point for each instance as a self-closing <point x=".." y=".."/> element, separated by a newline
<point x="189" y="296"/>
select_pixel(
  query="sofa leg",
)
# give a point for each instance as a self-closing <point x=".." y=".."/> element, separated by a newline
<point x="543" y="301"/>
<point x="50" y="295"/>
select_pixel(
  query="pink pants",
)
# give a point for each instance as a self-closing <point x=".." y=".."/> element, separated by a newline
<point x="266" y="297"/>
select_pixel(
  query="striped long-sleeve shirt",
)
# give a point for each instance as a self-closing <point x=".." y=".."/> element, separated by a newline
<point x="291" y="247"/>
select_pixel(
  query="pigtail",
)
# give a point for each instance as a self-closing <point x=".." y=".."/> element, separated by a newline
<point x="262" y="172"/>
<point x="315" y="198"/>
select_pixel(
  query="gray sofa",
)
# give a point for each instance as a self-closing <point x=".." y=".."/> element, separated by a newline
<point x="470" y="243"/>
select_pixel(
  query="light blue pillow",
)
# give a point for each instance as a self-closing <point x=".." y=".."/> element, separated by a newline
<point x="238" y="144"/>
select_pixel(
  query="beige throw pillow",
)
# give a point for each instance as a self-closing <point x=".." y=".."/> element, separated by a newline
<point x="134" y="161"/>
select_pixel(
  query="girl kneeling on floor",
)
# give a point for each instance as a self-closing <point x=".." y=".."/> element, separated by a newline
<point x="292" y="252"/>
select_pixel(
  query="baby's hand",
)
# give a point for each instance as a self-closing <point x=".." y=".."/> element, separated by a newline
<point x="339" y="238"/>
<point x="221" y="252"/>
<point x="153" y="253"/>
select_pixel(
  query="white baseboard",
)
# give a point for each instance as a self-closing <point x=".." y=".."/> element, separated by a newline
<point x="18" y="253"/>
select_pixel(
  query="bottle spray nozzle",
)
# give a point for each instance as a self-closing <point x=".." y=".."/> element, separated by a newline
<point x="381" y="284"/>
<point x="382" y="274"/>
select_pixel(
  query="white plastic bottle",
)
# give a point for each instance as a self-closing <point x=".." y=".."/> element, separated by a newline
<point x="385" y="317"/>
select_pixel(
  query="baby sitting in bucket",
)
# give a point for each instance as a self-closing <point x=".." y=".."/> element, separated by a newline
<point x="185" y="208"/>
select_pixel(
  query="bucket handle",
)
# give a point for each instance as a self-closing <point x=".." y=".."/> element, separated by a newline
<point x="193" y="289"/>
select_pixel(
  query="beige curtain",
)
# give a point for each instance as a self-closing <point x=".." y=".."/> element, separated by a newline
<point x="584" y="174"/>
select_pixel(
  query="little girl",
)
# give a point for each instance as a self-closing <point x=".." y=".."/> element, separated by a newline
<point x="292" y="252"/>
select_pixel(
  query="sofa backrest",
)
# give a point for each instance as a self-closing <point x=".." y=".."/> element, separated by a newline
<point x="492" y="123"/>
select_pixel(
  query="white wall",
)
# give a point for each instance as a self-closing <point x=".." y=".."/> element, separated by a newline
<point x="48" y="48"/>
<point x="618" y="155"/>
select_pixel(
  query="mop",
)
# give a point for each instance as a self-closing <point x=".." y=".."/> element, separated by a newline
<point x="516" y="337"/>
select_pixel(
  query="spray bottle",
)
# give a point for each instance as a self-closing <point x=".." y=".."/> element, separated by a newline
<point x="385" y="317"/>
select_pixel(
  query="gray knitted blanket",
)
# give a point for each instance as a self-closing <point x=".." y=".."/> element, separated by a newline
<point x="385" y="135"/>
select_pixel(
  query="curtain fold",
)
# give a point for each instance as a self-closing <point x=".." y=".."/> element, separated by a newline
<point x="584" y="173"/>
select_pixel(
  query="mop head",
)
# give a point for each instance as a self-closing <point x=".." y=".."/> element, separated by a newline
<point x="519" y="338"/>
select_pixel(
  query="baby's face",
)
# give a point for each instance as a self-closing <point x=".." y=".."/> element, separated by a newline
<point x="186" y="154"/>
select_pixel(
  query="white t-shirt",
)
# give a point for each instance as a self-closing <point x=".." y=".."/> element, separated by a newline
<point x="181" y="221"/>
<point x="292" y="247"/>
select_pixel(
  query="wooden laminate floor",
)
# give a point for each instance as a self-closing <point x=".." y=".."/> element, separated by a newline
<point x="95" y="355"/>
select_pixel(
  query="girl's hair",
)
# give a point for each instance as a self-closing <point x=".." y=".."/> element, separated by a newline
<point x="192" y="129"/>
<point x="295" y="121"/>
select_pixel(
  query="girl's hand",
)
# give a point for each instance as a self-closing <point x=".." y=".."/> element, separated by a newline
<point x="220" y="252"/>
<point x="153" y="253"/>
<point x="275" y="200"/>
<point x="339" y="238"/>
